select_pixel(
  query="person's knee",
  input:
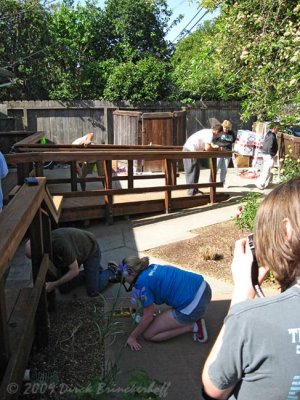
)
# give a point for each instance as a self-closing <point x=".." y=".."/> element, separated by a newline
<point x="148" y="335"/>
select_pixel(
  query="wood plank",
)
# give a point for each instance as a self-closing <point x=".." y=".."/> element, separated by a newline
<point x="16" y="218"/>
<point x="92" y="156"/>
<point x="14" y="191"/>
<point x="140" y="190"/>
<point x="32" y="139"/>
<point x="11" y="298"/>
<point x="21" y="331"/>
<point x="5" y="345"/>
<point x="53" y="204"/>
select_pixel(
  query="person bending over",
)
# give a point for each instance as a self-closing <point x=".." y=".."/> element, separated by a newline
<point x="257" y="353"/>
<point x="71" y="248"/>
<point x="199" y="141"/>
<point x="187" y="293"/>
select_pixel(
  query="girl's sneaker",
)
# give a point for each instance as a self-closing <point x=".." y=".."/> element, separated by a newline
<point x="200" y="332"/>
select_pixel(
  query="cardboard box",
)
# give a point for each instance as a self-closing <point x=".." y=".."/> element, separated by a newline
<point x="242" y="161"/>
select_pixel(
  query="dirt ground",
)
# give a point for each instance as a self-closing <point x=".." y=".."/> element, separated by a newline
<point x="209" y="253"/>
<point x="75" y="357"/>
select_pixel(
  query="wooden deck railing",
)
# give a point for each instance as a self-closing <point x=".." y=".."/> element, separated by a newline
<point x="23" y="312"/>
<point x="168" y="157"/>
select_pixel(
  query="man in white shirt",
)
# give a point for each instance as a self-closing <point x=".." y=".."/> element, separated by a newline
<point x="198" y="141"/>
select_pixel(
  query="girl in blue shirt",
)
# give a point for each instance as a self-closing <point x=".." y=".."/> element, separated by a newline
<point x="187" y="293"/>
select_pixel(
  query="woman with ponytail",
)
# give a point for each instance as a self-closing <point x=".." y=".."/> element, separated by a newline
<point x="187" y="294"/>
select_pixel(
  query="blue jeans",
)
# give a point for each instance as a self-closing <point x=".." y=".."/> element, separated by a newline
<point x="96" y="279"/>
<point x="222" y="164"/>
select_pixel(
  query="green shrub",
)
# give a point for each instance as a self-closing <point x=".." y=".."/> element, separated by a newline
<point x="247" y="211"/>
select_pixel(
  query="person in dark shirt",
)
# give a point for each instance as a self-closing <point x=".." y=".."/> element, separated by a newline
<point x="269" y="151"/>
<point x="72" y="248"/>
<point x="225" y="140"/>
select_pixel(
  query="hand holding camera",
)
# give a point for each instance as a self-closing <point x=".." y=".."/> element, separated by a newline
<point x="245" y="271"/>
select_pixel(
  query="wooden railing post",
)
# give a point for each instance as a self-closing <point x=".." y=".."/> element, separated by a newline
<point x="40" y="227"/>
<point x="213" y="179"/>
<point x="169" y="179"/>
<point x="108" y="185"/>
<point x="130" y="174"/>
<point x="73" y="176"/>
<point x="39" y="170"/>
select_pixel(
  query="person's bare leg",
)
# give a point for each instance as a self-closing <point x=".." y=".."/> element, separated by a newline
<point x="165" y="327"/>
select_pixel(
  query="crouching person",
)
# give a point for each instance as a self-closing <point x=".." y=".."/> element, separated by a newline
<point x="71" y="248"/>
<point x="186" y="292"/>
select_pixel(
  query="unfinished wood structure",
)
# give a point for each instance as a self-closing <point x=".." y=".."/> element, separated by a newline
<point x="110" y="201"/>
<point x="23" y="312"/>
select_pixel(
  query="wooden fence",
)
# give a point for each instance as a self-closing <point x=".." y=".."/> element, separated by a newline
<point x="288" y="142"/>
<point x="65" y="122"/>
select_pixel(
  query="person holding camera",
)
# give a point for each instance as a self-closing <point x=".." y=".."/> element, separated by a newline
<point x="187" y="293"/>
<point x="257" y="353"/>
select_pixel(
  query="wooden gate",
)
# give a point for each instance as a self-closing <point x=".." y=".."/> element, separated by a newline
<point x="146" y="128"/>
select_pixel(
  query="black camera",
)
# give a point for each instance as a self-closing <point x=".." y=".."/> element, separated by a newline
<point x="116" y="278"/>
<point x="254" y="269"/>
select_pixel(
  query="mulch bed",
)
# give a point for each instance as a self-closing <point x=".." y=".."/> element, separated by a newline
<point x="75" y="355"/>
<point x="209" y="253"/>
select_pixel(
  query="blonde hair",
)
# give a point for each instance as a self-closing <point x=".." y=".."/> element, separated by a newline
<point x="227" y="124"/>
<point x="136" y="264"/>
<point x="270" y="236"/>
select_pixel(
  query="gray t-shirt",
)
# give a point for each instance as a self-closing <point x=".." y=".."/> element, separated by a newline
<point x="260" y="354"/>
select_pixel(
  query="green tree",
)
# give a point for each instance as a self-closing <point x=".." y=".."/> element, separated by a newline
<point x="24" y="43"/>
<point x="136" y="28"/>
<point x="259" y="52"/>
<point x="195" y="68"/>
<point x="144" y="81"/>
<point x="99" y="51"/>
<point x="78" y="66"/>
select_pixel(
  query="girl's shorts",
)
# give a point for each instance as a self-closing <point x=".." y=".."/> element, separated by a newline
<point x="198" y="311"/>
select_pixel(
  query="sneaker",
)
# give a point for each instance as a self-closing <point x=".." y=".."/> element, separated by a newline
<point x="259" y="186"/>
<point x="196" y="193"/>
<point x="201" y="334"/>
<point x="112" y="266"/>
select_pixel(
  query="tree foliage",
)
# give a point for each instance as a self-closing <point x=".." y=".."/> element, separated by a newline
<point x="71" y="51"/>
<point x="140" y="82"/>
<point x="136" y="28"/>
<point x="24" y="41"/>
<point x="79" y="47"/>
<point x="196" y="71"/>
<point x="259" y="53"/>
